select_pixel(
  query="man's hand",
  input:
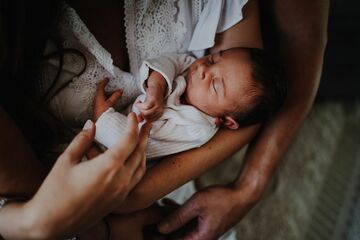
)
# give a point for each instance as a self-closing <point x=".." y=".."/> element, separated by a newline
<point x="153" y="106"/>
<point x="136" y="225"/>
<point x="104" y="101"/>
<point x="216" y="210"/>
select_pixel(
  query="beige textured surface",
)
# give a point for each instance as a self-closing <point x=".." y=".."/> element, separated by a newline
<point x="285" y="211"/>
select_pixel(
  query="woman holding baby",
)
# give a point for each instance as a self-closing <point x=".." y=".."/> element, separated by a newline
<point x="111" y="38"/>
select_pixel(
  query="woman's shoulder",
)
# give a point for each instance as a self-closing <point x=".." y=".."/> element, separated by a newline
<point x="216" y="17"/>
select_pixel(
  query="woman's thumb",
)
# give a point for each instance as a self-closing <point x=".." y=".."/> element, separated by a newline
<point x="81" y="143"/>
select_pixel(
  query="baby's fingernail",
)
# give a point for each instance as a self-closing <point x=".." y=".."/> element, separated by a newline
<point x="88" y="125"/>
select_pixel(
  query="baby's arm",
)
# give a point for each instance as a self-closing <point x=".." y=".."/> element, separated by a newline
<point x="156" y="78"/>
<point x="153" y="106"/>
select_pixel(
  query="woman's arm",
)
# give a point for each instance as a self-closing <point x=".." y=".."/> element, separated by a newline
<point x="176" y="170"/>
<point x="302" y="34"/>
<point x="65" y="202"/>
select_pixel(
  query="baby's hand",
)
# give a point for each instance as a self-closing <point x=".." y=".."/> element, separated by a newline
<point x="153" y="107"/>
<point x="104" y="101"/>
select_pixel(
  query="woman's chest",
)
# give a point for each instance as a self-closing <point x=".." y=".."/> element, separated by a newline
<point x="105" y="21"/>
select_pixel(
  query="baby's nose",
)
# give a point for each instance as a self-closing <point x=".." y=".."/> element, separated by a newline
<point x="202" y="71"/>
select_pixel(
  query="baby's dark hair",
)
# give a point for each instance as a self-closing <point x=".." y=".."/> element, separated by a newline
<point x="266" y="93"/>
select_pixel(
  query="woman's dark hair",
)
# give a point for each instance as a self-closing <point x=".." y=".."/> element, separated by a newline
<point x="25" y="28"/>
<point x="267" y="90"/>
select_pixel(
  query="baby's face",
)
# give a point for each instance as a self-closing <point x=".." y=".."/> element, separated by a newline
<point x="215" y="82"/>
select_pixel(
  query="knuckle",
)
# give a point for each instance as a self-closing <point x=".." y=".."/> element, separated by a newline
<point x="84" y="135"/>
<point x="177" y="220"/>
<point x="112" y="164"/>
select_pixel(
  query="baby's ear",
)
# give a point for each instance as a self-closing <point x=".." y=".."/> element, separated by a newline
<point x="227" y="122"/>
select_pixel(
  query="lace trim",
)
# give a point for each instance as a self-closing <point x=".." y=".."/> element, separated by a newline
<point x="152" y="29"/>
<point x="197" y="8"/>
<point x="71" y="21"/>
<point x="81" y="89"/>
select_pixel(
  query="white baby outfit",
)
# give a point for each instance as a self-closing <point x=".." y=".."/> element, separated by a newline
<point x="180" y="128"/>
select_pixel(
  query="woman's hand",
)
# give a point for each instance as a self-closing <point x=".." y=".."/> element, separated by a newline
<point x="77" y="194"/>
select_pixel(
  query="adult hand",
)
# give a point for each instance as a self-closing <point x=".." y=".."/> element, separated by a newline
<point x="137" y="225"/>
<point x="76" y="194"/>
<point x="216" y="210"/>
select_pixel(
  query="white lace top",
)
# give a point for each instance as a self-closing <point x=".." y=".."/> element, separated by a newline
<point x="152" y="29"/>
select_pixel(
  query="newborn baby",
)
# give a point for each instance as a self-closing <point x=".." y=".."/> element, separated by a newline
<point x="188" y="99"/>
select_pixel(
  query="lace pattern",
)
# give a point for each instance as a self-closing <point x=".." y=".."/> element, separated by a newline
<point x="152" y="29"/>
<point x="72" y="22"/>
<point x="99" y="65"/>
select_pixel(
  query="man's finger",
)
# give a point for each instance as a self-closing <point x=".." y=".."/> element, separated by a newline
<point x="178" y="218"/>
<point x="82" y="142"/>
<point x="193" y="235"/>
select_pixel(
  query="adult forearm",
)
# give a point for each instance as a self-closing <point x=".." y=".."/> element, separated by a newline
<point x="176" y="170"/>
<point x="272" y="142"/>
<point x="16" y="223"/>
<point x="21" y="173"/>
<point x="301" y="50"/>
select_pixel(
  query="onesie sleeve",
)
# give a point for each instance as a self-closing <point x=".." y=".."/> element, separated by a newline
<point x="216" y="17"/>
<point x="110" y="127"/>
<point x="173" y="138"/>
<point x="169" y="66"/>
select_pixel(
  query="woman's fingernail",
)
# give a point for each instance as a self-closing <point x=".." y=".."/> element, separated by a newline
<point x="88" y="125"/>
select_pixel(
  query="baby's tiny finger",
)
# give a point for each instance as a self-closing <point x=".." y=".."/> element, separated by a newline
<point x="140" y="117"/>
<point x="144" y="105"/>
